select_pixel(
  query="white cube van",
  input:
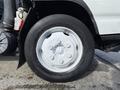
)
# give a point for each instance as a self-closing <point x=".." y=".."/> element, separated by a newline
<point x="106" y="14"/>
<point x="58" y="38"/>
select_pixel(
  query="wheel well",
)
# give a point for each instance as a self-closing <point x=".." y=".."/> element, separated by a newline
<point x="70" y="8"/>
<point x="45" y="8"/>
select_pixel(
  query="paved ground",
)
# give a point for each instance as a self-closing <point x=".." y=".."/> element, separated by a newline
<point x="100" y="77"/>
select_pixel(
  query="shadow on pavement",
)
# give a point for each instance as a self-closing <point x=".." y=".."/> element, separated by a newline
<point x="9" y="58"/>
<point x="109" y="58"/>
<point x="112" y="59"/>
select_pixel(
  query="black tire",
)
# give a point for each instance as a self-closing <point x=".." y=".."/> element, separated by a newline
<point x="12" y="44"/>
<point x="59" y="20"/>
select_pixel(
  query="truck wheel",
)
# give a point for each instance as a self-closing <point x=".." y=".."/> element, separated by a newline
<point x="8" y="43"/>
<point x="59" y="48"/>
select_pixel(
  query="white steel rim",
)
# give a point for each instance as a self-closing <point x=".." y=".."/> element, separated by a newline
<point x="3" y="42"/>
<point x="59" y="49"/>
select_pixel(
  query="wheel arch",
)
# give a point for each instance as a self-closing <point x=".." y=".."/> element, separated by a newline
<point x="75" y="8"/>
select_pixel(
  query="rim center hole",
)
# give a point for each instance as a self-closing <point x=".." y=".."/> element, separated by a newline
<point x="59" y="50"/>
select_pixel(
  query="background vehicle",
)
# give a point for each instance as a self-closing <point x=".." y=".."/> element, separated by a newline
<point x="1" y="8"/>
<point x="58" y="44"/>
<point x="8" y="37"/>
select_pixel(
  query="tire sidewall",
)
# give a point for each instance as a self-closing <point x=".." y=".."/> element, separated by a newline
<point x="59" y="20"/>
<point x="12" y="43"/>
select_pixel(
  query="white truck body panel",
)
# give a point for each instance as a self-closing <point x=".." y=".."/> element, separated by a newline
<point x="106" y="14"/>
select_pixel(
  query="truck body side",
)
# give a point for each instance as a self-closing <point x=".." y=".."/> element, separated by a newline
<point x="106" y="14"/>
<point x="84" y="11"/>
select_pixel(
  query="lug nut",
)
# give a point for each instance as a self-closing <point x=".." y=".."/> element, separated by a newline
<point x="68" y="45"/>
<point x="62" y="62"/>
<point x="69" y="56"/>
<point x="52" y="57"/>
<point x="50" y="46"/>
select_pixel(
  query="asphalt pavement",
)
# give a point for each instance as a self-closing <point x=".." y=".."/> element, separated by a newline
<point x="101" y="76"/>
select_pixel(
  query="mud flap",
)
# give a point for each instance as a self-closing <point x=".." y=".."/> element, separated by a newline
<point x="21" y="41"/>
<point x="21" y="62"/>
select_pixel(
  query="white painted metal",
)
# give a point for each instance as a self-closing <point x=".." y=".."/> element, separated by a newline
<point x="107" y="15"/>
<point x="59" y="49"/>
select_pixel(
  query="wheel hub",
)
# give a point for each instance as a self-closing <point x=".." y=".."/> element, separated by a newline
<point x="59" y="52"/>
<point x="58" y="48"/>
